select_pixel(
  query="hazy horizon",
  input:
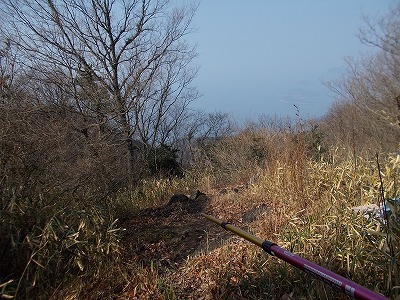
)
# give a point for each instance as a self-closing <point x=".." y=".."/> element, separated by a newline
<point x="265" y="56"/>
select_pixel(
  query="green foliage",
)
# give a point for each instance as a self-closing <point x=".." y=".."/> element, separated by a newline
<point x="162" y="161"/>
<point x="315" y="143"/>
<point x="258" y="151"/>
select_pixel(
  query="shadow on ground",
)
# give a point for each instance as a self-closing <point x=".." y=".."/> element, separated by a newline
<point x="168" y="234"/>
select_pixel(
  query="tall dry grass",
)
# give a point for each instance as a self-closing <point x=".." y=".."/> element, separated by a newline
<point x="310" y="214"/>
<point x="309" y="194"/>
<point x="63" y="245"/>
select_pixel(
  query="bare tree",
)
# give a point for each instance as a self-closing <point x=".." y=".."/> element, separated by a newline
<point x="198" y="130"/>
<point x="124" y="62"/>
<point x="384" y="34"/>
<point x="371" y="87"/>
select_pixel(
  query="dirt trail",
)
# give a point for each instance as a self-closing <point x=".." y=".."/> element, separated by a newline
<point x="168" y="234"/>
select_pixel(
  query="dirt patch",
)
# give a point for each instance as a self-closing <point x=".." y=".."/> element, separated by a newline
<point x="167" y="235"/>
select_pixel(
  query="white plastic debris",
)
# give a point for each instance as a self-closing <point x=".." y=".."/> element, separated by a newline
<point x="377" y="211"/>
<point x="370" y="211"/>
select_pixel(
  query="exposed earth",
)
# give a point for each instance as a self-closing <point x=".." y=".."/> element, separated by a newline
<point x="168" y="234"/>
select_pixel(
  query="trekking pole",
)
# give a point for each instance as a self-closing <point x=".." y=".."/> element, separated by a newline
<point x="347" y="286"/>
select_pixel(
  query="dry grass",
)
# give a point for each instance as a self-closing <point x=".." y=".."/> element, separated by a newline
<point x="309" y="213"/>
<point x="310" y="216"/>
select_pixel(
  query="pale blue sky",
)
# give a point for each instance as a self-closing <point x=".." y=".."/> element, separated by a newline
<point x="262" y="56"/>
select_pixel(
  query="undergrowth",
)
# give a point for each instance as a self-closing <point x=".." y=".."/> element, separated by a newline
<point x="320" y="226"/>
<point x="47" y="249"/>
<point x="72" y="250"/>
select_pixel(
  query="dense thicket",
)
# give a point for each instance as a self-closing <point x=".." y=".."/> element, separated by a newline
<point x="94" y="102"/>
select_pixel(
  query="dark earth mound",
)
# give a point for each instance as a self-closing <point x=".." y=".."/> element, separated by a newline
<point x="168" y="234"/>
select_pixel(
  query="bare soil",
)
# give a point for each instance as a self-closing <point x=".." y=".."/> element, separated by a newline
<point x="168" y="234"/>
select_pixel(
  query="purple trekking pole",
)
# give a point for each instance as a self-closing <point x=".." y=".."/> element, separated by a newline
<point x="347" y="286"/>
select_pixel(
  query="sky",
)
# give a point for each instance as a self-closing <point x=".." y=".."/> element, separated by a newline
<point x="262" y="57"/>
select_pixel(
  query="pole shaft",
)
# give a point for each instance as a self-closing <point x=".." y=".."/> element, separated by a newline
<point x="347" y="286"/>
